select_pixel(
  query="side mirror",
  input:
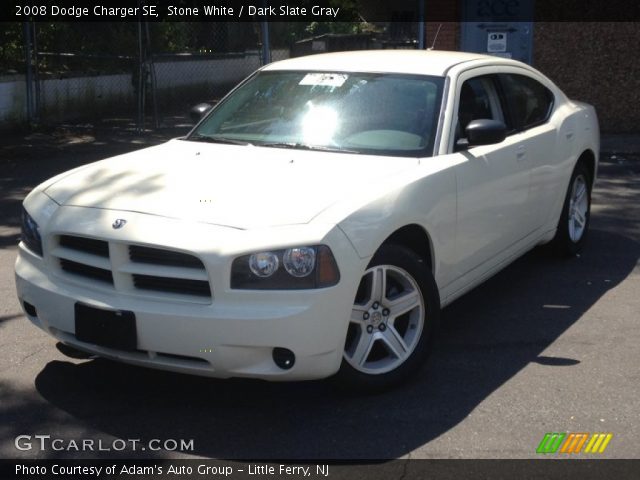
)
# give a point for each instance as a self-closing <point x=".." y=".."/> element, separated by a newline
<point x="483" y="132"/>
<point x="197" y="112"/>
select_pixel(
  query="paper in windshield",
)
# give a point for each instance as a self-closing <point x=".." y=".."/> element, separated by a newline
<point x="324" y="79"/>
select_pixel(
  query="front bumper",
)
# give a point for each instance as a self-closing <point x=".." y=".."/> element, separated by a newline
<point x="232" y="336"/>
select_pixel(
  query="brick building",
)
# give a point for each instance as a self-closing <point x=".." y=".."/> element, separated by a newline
<point x="595" y="62"/>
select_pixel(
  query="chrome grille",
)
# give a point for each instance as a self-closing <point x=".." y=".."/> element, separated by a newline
<point x="134" y="269"/>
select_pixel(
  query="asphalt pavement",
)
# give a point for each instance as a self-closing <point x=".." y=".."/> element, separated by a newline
<point x="546" y="345"/>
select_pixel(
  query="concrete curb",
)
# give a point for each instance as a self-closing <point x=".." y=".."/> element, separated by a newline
<point x="625" y="143"/>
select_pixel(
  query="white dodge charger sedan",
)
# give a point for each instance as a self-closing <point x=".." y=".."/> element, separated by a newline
<point x="315" y="221"/>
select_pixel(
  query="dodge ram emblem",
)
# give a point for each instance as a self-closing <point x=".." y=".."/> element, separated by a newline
<point x="119" y="223"/>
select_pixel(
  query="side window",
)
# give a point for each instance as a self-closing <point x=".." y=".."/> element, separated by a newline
<point x="478" y="100"/>
<point x="528" y="101"/>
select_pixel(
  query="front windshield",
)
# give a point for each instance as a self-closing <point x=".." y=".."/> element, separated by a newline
<point x="372" y="113"/>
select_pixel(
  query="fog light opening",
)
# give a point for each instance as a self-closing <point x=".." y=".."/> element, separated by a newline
<point x="30" y="309"/>
<point x="72" y="352"/>
<point x="284" y="358"/>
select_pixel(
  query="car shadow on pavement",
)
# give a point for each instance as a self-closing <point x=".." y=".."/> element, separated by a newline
<point x="488" y="336"/>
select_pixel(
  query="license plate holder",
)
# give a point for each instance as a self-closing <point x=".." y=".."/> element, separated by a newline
<point x="106" y="328"/>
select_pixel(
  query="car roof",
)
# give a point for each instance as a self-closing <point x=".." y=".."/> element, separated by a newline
<point x="422" y="62"/>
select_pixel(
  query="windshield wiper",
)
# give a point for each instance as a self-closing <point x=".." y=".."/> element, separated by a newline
<point x="215" y="139"/>
<point x="304" y="146"/>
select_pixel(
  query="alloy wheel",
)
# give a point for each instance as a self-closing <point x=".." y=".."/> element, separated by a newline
<point x="578" y="208"/>
<point x="386" y="320"/>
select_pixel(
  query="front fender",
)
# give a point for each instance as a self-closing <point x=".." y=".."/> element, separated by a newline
<point x="425" y="196"/>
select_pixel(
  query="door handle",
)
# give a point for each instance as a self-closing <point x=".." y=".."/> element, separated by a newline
<point x="569" y="135"/>
<point x="521" y="153"/>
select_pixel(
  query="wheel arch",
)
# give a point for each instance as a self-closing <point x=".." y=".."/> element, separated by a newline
<point x="415" y="238"/>
<point x="588" y="158"/>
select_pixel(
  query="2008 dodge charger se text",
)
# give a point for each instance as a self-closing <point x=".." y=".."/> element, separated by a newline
<point x="315" y="221"/>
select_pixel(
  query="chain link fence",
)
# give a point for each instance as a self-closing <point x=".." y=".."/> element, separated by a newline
<point x="79" y="75"/>
<point x="188" y="63"/>
<point x="150" y="74"/>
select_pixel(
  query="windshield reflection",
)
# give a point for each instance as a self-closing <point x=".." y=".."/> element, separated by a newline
<point x="370" y="113"/>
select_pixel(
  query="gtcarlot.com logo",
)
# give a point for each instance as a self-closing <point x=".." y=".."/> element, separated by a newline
<point x="574" y="443"/>
<point x="46" y="442"/>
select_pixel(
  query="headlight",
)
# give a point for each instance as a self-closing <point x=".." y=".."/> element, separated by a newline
<point x="299" y="262"/>
<point x="264" y="264"/>
<point x="296" y="268"/>
<point x="30" y="233"/>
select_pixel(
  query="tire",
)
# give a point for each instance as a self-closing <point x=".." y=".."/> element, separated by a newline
<point x="573" y="225"/>
<point x="390" y="335"/>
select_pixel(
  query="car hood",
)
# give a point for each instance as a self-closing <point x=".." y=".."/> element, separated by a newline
<point x="231" y="185"/>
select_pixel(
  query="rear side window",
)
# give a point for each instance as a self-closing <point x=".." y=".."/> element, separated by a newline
<point x="528" y="102"/>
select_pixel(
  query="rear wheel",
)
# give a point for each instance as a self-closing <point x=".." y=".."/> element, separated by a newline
<point x="392" y="321"/>
<point x="574" y="220"/>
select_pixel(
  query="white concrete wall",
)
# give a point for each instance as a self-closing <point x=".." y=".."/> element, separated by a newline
<point x="193" y="72"/>
<point x="67" y="98"/>
<point x="13" y="99"/>
<point x="63" y="98"/>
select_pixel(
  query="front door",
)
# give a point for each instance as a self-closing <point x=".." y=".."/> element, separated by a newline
<point x="493" y="183"/>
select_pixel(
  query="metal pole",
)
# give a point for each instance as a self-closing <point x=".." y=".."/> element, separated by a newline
<point x="266" y="47"/>
<point x="140" y="79"/>
<point x="421" y="32"/>
<point x="152" y="73"/>
<point x="36" y="77"/>
<point x="28" y="73"/>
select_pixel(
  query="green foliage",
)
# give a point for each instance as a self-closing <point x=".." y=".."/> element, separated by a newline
<point x="11" y="51"/>
<point x="105" y="38"/>
<point x="284" y="34"/>
<point x="169" y="36"/>
<point x="96" y="46"/>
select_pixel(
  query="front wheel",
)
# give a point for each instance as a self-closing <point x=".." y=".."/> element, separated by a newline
<point x="574" y="220"/>
<point x="395" y="311"/>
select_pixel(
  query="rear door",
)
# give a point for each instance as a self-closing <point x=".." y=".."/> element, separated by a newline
<point x="528" y="105"/>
